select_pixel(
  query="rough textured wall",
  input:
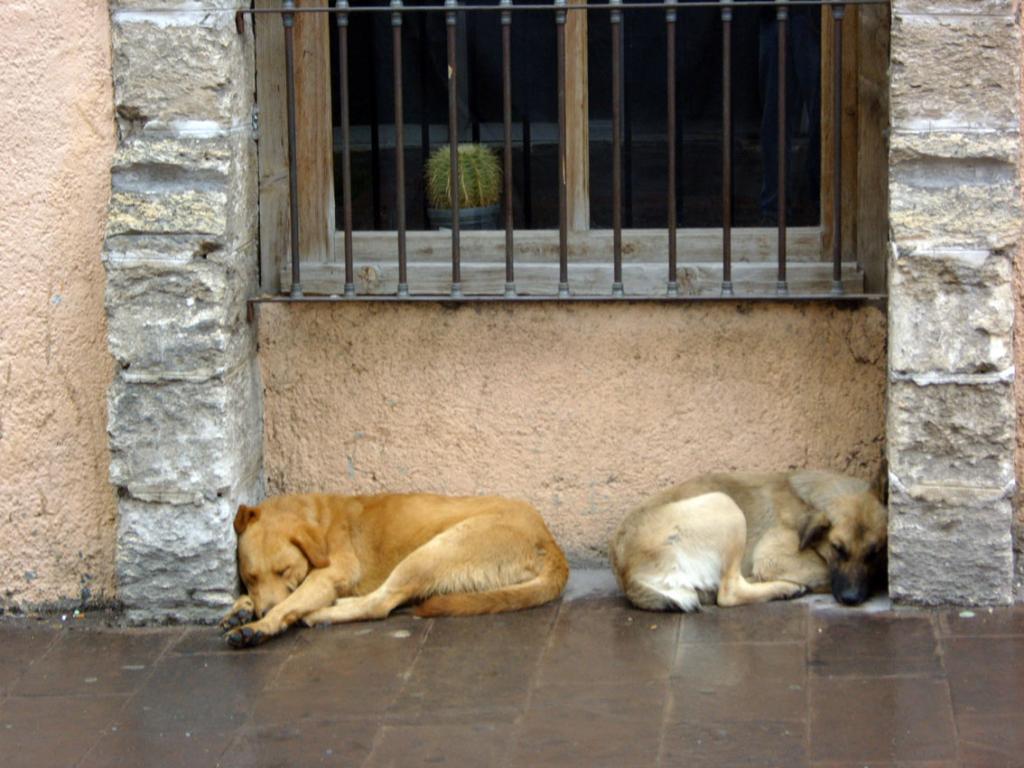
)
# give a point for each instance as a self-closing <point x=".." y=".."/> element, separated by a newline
<point x="1018" y="352"/>
<point x="1018" y="358"/>
<point x="583" y="409"/>
<point x="955" y="219"/>
<point x="56" y="141"/>
<point x="185" y="414"/>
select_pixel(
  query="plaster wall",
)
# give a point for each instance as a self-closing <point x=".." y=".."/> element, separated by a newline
<point x="583" y="410"/>
<point x="57" y="508"/>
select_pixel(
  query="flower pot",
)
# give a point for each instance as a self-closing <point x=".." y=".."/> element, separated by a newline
<point x="487" y="217"/>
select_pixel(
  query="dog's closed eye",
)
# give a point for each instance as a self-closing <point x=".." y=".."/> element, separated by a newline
<point x="840" y="551"/>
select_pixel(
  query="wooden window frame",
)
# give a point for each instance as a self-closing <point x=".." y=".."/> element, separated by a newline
<point x="864" y="185"/>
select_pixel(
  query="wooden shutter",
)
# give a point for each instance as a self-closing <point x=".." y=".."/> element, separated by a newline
<point x="314" y="140"/>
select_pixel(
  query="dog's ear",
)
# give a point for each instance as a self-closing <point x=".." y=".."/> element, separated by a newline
<point x="813" y="528"/>
<point x="821" y="489"/>
<point x="880" y="482"/>
<point x="244" y="516"/>
<point x="313" y="543"/>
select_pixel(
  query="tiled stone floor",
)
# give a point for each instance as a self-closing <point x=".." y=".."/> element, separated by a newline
<point x="583" y="682"/>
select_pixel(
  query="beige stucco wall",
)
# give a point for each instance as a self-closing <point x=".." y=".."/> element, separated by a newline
<point x="56" y="142"/>
<point x="581" y="409"/>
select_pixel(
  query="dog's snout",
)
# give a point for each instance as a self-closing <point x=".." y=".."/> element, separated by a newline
<point x="849" y="591"/>
<point x="852" y="596"/>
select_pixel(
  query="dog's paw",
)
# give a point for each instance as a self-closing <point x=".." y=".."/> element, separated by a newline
<point x="799" y="590"/>
<point x="245" y="637"/>
<point x="236" y="619"/>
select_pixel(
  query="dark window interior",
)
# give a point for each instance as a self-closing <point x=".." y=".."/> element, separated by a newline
<point x="535" y="150"/>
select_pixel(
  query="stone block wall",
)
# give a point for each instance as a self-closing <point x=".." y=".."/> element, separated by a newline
<point x="185" y="410"/>
<point x="955" y="217"/>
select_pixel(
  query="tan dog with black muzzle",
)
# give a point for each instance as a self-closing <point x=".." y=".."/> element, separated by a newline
<point x="752" y="537"/>
<point x="323" y="559"/>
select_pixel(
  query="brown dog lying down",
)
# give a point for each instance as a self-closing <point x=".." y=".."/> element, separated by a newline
<point x="324" y="559"/>
<point x="789" y="531"/>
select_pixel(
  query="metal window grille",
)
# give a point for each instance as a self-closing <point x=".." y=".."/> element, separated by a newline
<point x="616" y="14"/>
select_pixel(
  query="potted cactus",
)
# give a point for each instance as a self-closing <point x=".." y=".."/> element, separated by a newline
<point x="479" y="187"/>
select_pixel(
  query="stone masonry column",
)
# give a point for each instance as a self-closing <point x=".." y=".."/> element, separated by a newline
<point x="955" y="222"/>
<point x="185" y="411"/>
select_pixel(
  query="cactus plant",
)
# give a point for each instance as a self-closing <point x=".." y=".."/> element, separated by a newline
<point x="479" y="177"/>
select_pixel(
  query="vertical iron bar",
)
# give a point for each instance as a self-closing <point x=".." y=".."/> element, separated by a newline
<point x="527" y="168"/>
<point x="375" y="174"/>
<point x="424" y="66"/>
<point x="781" y="17"/>
<point x="627" y="160"/>
<point x="727" y="148"/>
<point x="506" y="92"/>
<point x="471" y="79"/>
<point x="616" y="22"/>
<point x="396" y="49"/>
<point x="288" y="20"/>
<point x="670" y="130"/>
<point x="346" y="144"/>
<point x="563" y="210"/>
<point x="451" y="19"/>
<point x="837" y="139"/>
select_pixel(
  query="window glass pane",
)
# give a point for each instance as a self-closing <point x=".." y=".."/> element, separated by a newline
<point x="699" y="117"/>
<point x="535" y="110"/>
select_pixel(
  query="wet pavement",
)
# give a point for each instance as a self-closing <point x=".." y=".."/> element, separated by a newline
<point x="586" y="681"/>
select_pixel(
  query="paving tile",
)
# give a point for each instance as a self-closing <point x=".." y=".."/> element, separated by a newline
<point x="354" y="670"/>
<point x="201" y="694"/>
<point x="859" y="644"/>
<point x="565" y="737"/>
<point x="472" y="745"/>
<point x="724" y="744"/>
<point x="209" y="639"/>
<point x="739" y="681"/>
<point x="983" y="621"/>
<point x="883" y="719"/>
<point x="478" y="666"/>
<point x="23" y="642"/>
<point x="602" y="641"/>
<point x="780" y="621"/>
<point x="521" y="631"/>
<point x="898" y="764"/>
<point x="54" y="730"/>
<point x="584" y="682"/>
<point x="986" y="675"/>
<point x="638" y="701"/>
<point x="456" y="684"/>
<point x="171" y="748"/>
<point x="282" y="706"/>
<point x="94" y="663"/>
<point x="991" y="741"/>
<point x="302" y="743"/>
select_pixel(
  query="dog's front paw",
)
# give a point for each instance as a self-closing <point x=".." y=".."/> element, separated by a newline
<point x="246" y="636"/>
<point x="799" y="590"/>
<point x="242" y="612"/>
<point x="236" y="619"/>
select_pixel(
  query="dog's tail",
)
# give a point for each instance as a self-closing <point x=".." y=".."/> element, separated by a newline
<point x="649" y="592"/>
<point x="545" y="586"/>
<point x="651" y="598"/>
